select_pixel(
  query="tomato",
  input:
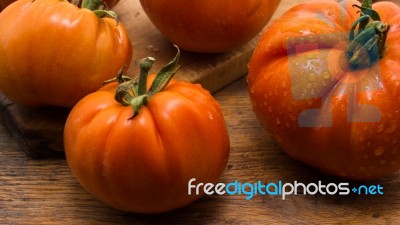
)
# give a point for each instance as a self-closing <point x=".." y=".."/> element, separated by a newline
<point x="324" y="103"/>
<point x="209" y="25"/>
<point x="53" y="52"/>
<point x="5" y="3"/>
<point x="141" y="159"/>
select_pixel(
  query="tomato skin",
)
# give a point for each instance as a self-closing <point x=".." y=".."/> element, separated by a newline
<point x="62" y="58"/>
<point x="209" y="25"/>
<point x="346" y="148"/>
<point x="144" y="164"/>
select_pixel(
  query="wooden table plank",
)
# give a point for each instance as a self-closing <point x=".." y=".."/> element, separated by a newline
<point x="45" y="192"/>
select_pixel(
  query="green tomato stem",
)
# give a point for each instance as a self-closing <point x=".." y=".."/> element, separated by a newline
<point x="145" y="65"/>
<point x="92" y="4"/>
<point x="368" y="42"/>
<point x="99" y="8"/>
<point x="135" y="94"/>
<point x="165" y="75"/>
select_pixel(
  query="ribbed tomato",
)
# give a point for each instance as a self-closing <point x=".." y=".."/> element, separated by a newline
<point x="53" y="52"/>
<point x="325" y="81"/>
<point x="138" y="156"/>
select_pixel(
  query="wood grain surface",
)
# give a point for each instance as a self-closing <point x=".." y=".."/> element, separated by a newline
<point x="44" y="191"/>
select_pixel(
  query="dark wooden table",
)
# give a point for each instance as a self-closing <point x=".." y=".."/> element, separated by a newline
<point x="45" y="192"/>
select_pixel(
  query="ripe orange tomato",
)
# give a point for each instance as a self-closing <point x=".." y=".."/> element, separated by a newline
<point x="321" y="104"/>
<point x="143" y="163"/>
<point x="53" y="52"/>
<point x="209" y="25"/>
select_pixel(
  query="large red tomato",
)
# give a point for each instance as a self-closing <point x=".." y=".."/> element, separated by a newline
<point x="209" y="25"/>
<point x="53" y="52"/>
<point x="329" y="103"/>
<point x="140" y="157"/>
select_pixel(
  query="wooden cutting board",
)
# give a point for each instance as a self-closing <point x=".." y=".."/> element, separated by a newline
<point x="40" y="130"/>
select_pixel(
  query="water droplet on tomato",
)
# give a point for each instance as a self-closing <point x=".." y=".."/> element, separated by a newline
<point x="396" y="88"/>
<point x="210" y="115"/>
<point x="342" y="107"/>
<point x="380" y="128"/>
<point x="382" y="162"/>
<point x="369" y="144"/>
<point x="392" y="128"/>
<point x="326" y="75"/>
<point x="270" y="109"/>
<point x="379" y="151"/>
<point x="312" y="77"/>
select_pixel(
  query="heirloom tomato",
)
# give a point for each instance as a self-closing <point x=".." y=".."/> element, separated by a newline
<point x="325" y="81"/>
<point x="209" y="25"/>
<point x="138" y="151"/>
<point x="53" y="52"/>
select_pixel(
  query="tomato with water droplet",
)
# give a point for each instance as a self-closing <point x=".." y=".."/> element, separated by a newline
<point x="339" y="115"/>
